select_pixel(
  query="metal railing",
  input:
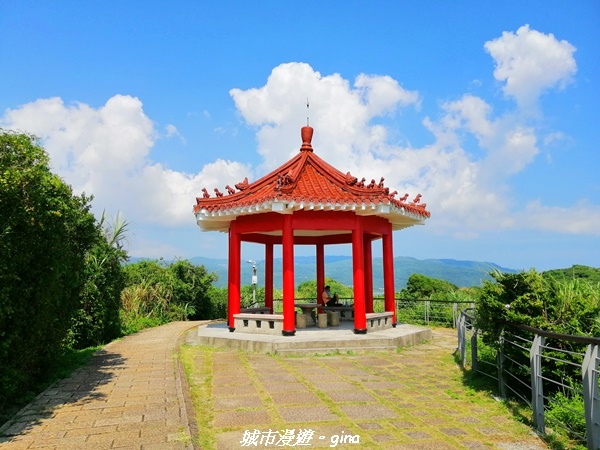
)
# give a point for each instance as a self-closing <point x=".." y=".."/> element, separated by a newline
<point x="414" y="311"/>
<point x="527" y="365"/>
<point x="430" y="312"/>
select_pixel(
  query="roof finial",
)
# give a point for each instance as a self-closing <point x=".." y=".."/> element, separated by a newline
<point x="307" y="112"/>
<point x="306" y="132"/>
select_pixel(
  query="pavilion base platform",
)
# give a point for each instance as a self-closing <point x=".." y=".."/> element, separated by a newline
<point x="310" y="340"/>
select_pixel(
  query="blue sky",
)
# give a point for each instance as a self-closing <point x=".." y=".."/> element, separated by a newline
<point x="488" y="109"/>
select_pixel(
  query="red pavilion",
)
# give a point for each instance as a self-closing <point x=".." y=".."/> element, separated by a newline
<point x="306" y="201"/>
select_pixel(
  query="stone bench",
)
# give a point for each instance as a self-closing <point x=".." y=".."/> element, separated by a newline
<point x="259" y="323"/>
<point x="379" y="321"/>
<point x="347" y="310"/>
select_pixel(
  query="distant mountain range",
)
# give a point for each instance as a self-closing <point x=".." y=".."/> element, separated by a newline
<point x="460" y="273"/>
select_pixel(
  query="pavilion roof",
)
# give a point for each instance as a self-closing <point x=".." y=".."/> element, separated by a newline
<point x="307" y="182"/>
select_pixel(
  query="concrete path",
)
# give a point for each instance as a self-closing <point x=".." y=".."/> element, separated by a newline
<point x="128" y="396"/>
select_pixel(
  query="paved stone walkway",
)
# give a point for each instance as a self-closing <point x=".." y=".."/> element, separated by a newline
<point x="412" y="399"/>
<point x="132" y="396"/>
<point x="128" y="396"/>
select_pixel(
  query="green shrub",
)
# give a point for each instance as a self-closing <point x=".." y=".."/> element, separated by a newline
<point x="218" y="299"/>
<point x="528" y="298"/>
<point x="567" y="410"/>
<point x="45" y="235"/>
<point x="97" y="320"/>
<point x="158" y="293"/>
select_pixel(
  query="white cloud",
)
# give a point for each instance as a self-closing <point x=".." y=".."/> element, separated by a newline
<point x="471" y="113"/>
<point x="581" y="218"/>
<point x="105" y="151"/>
<point x="143" y="247"/>
<point x="530" y="62"/>
<point x="556" y="137"/>
<point x="381" y="94"/>
<point x="172" y="131"/>
<point x="340" y="112"/>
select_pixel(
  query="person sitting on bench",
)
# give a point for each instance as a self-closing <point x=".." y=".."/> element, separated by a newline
<point x="328" y="299"/>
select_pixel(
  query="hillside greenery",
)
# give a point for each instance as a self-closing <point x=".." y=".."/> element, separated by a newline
<point x="63" y="285"/>
<point x="587" y="273"/>
<point x="308" y="290"/>
<point x="463" y="274"/>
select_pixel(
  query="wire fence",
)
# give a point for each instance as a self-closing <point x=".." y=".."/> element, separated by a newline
<point x="530" y="364"/>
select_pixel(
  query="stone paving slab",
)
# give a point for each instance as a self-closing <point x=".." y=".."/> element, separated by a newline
<point x="129" y="396"/>
<point x="411" y="399"/>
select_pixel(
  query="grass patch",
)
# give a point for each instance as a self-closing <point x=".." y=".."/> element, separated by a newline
<point x="199" y="376"/>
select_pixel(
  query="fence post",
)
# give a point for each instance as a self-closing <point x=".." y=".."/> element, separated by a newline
<point x="454" y="314"/>
<point x="589" y="371"/>
<point x="500" y="365"/>
<point x="474" y="348"/>
<point x="427" y="312"/>
<point x="461" y="338"/>
<point x="537" y="387"/>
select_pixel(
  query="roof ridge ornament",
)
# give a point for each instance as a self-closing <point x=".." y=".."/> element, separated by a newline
<point x="284" y="180"/>
<point x="350" y="180"/>
<point x="242" y="184"/>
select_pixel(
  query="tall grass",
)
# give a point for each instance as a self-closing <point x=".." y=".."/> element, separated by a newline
<point x="574" y="297"/>
<point x="147" y="305"/>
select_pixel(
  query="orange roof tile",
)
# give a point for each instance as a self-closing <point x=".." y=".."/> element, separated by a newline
<point x="305" y="180"/>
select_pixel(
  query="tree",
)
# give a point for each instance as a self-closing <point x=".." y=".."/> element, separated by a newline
<point x="423" y="287"/>
<point x="250" y="293"/>
<point x="45" y="235"/>
<point x="218" y="299"/>
<point x="308" y="289"/>
<point x="193" y="287"/>
<point x="97" y="320"/>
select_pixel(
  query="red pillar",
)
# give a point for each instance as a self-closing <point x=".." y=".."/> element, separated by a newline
<point x="388" y="273"/>
<point x="289" y="311"/>
<point x="360" y="320"/>
<point x="368" y="274"/>
<point x="269" y="276"/>
<point x="320" y="271"/>
<point x="234" y="276"/>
